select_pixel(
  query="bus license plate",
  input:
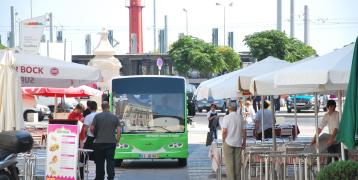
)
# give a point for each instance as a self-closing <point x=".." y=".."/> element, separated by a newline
<point x="301" y="104"/>
<point x="149" y="156"/>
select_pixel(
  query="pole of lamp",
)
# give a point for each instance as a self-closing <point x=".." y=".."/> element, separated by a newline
<point x="30" y="8"/>
<point x="154" y="26"/>
<point x="186" y="21"/>
<point x="51" y="27"/>
<point x="224" y="25"/>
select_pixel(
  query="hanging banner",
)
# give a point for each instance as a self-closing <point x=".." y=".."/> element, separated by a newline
<point x="31" y="31"/>
<point x="62" y="152"/>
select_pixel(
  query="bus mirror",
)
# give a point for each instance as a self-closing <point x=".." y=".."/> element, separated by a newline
<point x="105" y="96"/>
<point x="191" y="108"/>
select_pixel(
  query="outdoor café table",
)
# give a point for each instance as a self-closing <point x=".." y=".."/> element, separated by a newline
<point x="300" y="157"/>
<point x="253" y="152"/>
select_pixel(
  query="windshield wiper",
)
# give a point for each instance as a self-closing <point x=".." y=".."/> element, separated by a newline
<point x="163" y="115"/>
<point x="139" y="131"/>
<point x="167" y="130"/>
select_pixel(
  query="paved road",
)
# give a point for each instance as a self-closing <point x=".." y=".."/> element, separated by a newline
<point x="199" y="164"/>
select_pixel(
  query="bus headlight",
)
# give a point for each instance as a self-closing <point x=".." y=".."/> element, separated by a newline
<point x="175" y="145"/>
<point x="123" y="146"/>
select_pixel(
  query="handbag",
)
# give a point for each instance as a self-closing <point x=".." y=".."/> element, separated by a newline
<point x="209" y="138"/>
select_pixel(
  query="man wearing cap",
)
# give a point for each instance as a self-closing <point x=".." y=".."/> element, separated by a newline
<point x="234" y="140"/>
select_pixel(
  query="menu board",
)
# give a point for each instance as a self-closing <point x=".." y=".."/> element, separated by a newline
<point x="62" y="152"/>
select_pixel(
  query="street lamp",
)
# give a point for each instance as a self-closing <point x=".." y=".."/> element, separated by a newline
<point x="186" y="20"/>
<point x="224" y="5"/>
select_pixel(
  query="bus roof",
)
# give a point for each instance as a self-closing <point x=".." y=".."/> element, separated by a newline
<point x="144" y="76"/>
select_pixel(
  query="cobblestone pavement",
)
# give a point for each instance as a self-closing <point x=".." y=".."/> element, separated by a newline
<point x="199" y="164"/>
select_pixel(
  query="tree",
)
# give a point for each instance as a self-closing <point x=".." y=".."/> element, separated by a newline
<point x="193" y="53"/>
<point x="267" y="43"/>
<point x="231" y="58"/>
<point x="2" y="46"/>
<point x="277" y="44"/>
<point x="297" y="50"/>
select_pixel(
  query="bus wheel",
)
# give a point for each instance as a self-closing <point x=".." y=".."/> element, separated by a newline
<point x="182" y="162"/>
<point x="118" y="162"/>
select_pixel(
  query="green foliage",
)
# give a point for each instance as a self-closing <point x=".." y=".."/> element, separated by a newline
<point x="277" y="44"/>
<point x="231" y="58"/>
<point x="2" y="46"/>
<point x="339" y="170"/>
<point x="267" y="43"/>
<point x="193" y="53"/>
<point x="296" y="50"/>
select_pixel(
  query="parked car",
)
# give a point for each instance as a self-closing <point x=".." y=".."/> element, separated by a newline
<point x="303" y="102"/>
<point x="29" y="105"/>
<point x="205" y="104"/>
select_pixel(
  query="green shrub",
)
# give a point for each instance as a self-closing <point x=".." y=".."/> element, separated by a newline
<point x="339" y="170"/>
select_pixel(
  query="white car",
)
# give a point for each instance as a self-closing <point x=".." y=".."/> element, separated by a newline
<point x="29" y="105"/>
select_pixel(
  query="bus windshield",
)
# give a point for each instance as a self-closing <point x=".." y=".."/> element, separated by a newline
<point x="146" y="110"/>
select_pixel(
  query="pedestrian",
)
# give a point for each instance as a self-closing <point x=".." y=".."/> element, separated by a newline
<point x="213" y="120"/>
<point x="234" y="140"/>
<point x="76" y="114"/>
<point x="267" y="122"/>
<point x="249" y="112"/>
<point x="277" y="100"/>
<point x="88" y="144"/>
<point x="256" y="103"/>
<point x="87" y="111"/>
<point x="107" y="133"/>
<point x="330" y="118"/>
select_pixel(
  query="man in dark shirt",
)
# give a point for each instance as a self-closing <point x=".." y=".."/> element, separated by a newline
<point x="88" y="110"/>
<point x="104" y="127"/>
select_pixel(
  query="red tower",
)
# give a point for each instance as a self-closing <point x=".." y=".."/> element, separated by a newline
<point x="135" y="26"/>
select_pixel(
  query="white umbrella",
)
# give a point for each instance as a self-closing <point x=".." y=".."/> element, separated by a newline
<point x="40" y="71"/>
<point x="221" y="87"/>
<point x="325" y="73"/>
<point x="264" y="66"/>
<point x="10" y="95"/>
<point x="264" y="84"/>
<point x="329" y="72"/>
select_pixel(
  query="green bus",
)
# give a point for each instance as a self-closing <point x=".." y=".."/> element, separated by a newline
<point x="153" y="114"/>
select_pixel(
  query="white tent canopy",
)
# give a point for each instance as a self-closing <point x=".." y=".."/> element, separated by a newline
<point x="224" y="86"/>
<point x="264" y="84"/>
<point x="264" y="66"/>
<point x="325" y="73"/>
<point x="40" y="71"/>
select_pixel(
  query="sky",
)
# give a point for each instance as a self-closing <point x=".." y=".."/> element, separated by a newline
<point x="333" y="23"/>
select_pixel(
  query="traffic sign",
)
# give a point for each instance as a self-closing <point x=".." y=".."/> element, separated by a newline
<point x="159" y="63"/>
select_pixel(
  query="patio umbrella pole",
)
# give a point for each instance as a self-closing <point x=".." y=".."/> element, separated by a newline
<point x="340" y="109"/>
<point x="273" y="124"/>
<point x="262" y="119"/>
<point x="317" y="135"/>
<point x="295" y="106"/>
<point x="55" y="108"/>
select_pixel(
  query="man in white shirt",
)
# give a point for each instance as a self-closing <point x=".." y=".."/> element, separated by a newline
<point x="267" y="122"/>
<point x="88" y="144"/>
<point x="234" y="140"/>
<point x="331" y="118"/>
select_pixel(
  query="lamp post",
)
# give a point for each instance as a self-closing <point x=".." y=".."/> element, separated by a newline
<point x="186" y="20"/>
<point x="224" y="5"/>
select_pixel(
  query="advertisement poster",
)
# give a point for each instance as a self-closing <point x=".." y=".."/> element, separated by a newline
<point x="62" y="152"/>
<point x="31" y="31"/>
